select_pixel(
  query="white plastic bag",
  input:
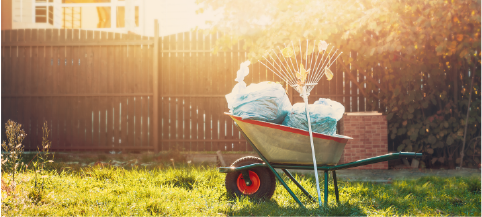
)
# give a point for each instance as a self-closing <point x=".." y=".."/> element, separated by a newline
<point x="335" y="109"/>
<point x="324" y="115"/>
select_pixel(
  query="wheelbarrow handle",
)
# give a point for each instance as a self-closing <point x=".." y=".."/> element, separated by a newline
<point x="410" y="154"/>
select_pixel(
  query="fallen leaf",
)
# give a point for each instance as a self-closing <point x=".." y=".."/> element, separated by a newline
<point x="322" y="46"/>
<point x="328" y="74"/>
<point x="302" y="74"/>
<point x="287" y="52"/>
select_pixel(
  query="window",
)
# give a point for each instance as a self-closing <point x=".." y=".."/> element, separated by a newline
<point x="71" y="17"/>
<point x="88" y="14"/>
<point x="51" y="15"/>
<point x="121" y="14"/>
<point x="86" y="17"/>
<point x="103" y="14"/>
<point x="41" y="14"/>
<point x="44" y="11"/>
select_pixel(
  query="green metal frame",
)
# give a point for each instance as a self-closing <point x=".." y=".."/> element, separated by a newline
<point x="325" y="168"/>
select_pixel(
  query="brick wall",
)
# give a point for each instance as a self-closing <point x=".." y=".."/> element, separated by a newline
<point x="370" y="138"/>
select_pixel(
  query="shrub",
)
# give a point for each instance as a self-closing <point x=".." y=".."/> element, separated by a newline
<point x="11" y="161"/>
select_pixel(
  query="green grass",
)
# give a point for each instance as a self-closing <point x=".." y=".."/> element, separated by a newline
<point x="199" y="190"/>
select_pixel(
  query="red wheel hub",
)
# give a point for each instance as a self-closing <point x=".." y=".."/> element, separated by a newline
<point x="255" y="183"/>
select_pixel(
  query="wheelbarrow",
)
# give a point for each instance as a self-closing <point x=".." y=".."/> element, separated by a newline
<point x="282" y="147"/>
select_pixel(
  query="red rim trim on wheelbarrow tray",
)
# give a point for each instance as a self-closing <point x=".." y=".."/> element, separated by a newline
<point x="290" y="129"/>
<point x="255" y="183"/>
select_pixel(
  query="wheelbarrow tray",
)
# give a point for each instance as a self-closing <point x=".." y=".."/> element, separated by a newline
<point x="286" y="145"/>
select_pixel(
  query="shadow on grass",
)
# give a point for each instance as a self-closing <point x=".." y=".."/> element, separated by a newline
<point x="424" y="196"/>
<point x="249" y="207"/>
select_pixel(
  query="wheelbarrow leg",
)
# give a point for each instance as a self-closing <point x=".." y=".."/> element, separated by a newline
<point x="298" y="184"/>
<point x="285" y="185"/>
<point x="326" y="187"/>
<point x="336" y="187"/>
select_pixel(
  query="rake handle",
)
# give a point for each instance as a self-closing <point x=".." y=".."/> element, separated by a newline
<point x="305" y="98"/>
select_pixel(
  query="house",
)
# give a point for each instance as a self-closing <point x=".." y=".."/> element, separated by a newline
<point x="106" y="15"/>
<point x="123" y="16"/>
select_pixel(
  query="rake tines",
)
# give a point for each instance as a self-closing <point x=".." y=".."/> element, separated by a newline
<point x="302" y="69"/>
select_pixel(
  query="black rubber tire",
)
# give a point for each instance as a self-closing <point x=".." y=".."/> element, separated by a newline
<point x="266" y="177"/>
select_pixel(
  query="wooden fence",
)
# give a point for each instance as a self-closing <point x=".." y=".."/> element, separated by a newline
<point x="109" y="91"/>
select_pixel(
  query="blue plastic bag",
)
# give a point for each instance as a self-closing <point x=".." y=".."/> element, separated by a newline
<point x="324" y="115"/>
<point x="266" y="101"/>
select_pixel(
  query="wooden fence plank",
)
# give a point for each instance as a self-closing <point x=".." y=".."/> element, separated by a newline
<point x="194" y="73"/>
<point x="377" y="75"/>
<point x="171" y="90"/>
<point x="347" y="93"/>
<point x="137" y="121"/>
<point x="20" y="73"/>
<point x="20" y="83"/>
<point x="123" y="121"/>
<point x="35" y="71"/>
<point x="130" y="106"/>
<point x="176" y="106"/>
<point x="97" y="87"/>
<point x="145" y="83"/>
<point x="186" y="89"/>
<point x="201" y="73"/>
<point x="14" y="60"/>
<point x="221" y="84"/>
<point x="138" y="100"/>
<point x="209" y="90"/>
<point x="116" y="101"/>
<point x="361" y="80"/>
<point x="5" y="68"/>
<point x="28" y="81"/>
<point x="144" y="119"/>
<point x="164" y="87"/>
<point x="354" y="88"/>
<point x="68" y="85"/>
<point x="230" y="76"/>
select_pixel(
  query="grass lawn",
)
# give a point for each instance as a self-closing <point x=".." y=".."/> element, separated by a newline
<point x="199" y="190"/>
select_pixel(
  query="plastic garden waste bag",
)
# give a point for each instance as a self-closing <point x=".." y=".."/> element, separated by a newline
<point x="336" y="111"/>
<point x="323" y="115"/>
<point x="266" y="101"/>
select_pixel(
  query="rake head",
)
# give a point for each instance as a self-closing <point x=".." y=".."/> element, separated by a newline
<point x="302" y="66"/>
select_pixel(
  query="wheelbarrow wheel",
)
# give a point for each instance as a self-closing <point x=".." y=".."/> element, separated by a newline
<point x="263" y="181"/>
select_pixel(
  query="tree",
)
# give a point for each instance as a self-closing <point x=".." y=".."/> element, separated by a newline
<point x="423" y="50"/>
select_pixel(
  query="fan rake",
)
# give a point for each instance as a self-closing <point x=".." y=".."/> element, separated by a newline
<point x="290" y="67"/>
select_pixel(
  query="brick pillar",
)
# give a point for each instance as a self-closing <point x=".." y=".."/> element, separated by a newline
<point x="370" y="138"/>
